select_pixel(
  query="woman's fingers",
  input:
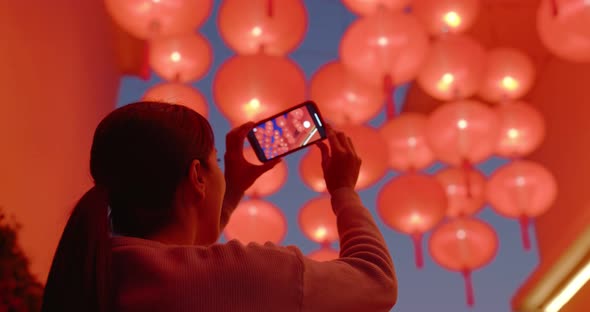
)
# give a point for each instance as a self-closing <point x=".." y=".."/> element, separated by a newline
<point x="351" y="146"/>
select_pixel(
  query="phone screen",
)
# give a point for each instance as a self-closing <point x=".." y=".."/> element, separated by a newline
<point x="287" y="132"/>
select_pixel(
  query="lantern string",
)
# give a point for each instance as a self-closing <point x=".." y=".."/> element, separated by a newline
<point x="467" y="168"/>
<point x="154" y="27"/>
<point x="326" y="244"/>
<point x="456" y="93"/>
<point x="554" y="8"/>
<point x="145" y="64"/>
<point x="505" y="99"/>
<point x="468" y="287"/>
<point x="269" y="8"/>
<point x="255" y="195"/>
<point x="524" y="232"/>
<point x="347" y="118"/>
<point x="388" y="90"/>
<point x="418" y="254"/>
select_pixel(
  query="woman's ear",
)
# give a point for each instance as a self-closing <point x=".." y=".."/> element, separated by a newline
<point x="196" y="178"/>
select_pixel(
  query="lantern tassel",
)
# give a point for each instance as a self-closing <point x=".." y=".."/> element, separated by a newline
<point x="269" y="8"/>
<point x="468" y="288"/>
<point x="388" y="89"/>
<point x="524" y="232"/>
<point x="467" y="167"/>
<point x="418" y="255"/>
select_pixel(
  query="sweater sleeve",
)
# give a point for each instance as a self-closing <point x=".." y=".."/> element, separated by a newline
<point x="363" y="278"/>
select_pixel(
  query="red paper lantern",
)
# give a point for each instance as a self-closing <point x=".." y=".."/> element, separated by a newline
<point x="342" y="97"/>
<point x="412" y="204"/>
<point x="370" y="7"/>
<point x="182" y="58"/>
<point x="453" y="68"/>
<point x="464" y="245"/>
<point x="522" y="189"/>
<point x="406" y="139"/>
<point x="318" y="222"/>
<point x="564" y="28"/>
<point x="465" y="190"/>
<point x="324" y="254"/>
<point x="509" y="75"/>
<point x="310" y="170"/>
<point x="268" y="183"/>
<point x="522" y="129"/>
<point x="463" y="132"/>
<point x="256" y="221"/>
<point x="371" y="148"/>
<point x="178" y="93"/>
<point x="446" y="16"/>
<point x="148" y="19"/>
<point x="251" y="87"/>
<point x="387" y="48"/>
<point x="274" y="26"/>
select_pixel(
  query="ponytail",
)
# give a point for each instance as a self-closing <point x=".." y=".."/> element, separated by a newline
<point x="80" y="275"/>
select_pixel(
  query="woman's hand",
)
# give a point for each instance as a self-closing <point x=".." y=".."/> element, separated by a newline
<point x="340" y="163"/>
<point x="239" y="173"/>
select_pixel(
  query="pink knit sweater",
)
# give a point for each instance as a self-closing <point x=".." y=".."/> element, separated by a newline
<point x="233" y="277"/>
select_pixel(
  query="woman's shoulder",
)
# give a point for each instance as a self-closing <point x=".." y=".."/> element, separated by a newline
<point x="134" y="248"/>
<point x="167" y="273"/>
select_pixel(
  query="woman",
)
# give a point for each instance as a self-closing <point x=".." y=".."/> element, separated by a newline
<point x="154" y="165"/>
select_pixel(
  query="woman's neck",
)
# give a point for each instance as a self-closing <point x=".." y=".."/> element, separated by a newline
<point x="175" y="234"/>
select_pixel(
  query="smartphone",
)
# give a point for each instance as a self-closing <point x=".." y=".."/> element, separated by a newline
<point x="287" y="131"/>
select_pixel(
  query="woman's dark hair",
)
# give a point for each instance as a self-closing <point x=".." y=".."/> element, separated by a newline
<point x="140" y="154"/>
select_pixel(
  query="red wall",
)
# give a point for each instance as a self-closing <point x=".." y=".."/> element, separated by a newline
<point x="58" y="77"/>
